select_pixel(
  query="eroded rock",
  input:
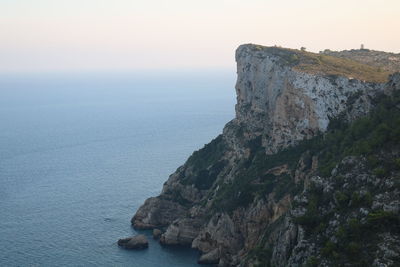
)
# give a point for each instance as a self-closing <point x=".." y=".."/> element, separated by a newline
<point x="157" y="233"/>
<point x="134" y="242"/>
<point x="211" y="257"/>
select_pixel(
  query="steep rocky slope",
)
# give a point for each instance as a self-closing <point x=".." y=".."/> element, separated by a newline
<point x="298" y="168"/>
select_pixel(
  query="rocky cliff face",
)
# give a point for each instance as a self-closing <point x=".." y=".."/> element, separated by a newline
<point x="283" y="105"/>
<point x="242" y="199"/>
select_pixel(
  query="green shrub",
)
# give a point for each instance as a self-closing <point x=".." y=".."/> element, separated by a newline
<point x="329" y="249"/>
<point x="342" y="199"/>
<point x="373" y="161"/>
<point x="341" y="234"/>
<point x="381" y="218"/>
<point x="311" y="219"/>
<point x="380" y="172"/>
<point x="355" y="199"/>
<point x="353" y="250"/>
<point x="358" y="200"/>
<point x="355" y="229"/>
<point x="368" y="199"/>
<point x="312" y="262"/>
<point x="263" y="256"/>
<point x="397" y="164"/>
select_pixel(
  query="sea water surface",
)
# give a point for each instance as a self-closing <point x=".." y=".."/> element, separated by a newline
<point x="79" y="153"/>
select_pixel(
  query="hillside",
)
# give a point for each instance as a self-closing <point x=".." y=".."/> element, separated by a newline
<point x="307" y="173"/>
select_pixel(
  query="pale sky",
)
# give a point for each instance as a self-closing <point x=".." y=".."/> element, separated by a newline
<point x="120" y="35"/>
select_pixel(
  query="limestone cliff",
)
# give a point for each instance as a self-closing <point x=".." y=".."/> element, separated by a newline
<point x="234" y="199"/>
<point x="283" y="104"/>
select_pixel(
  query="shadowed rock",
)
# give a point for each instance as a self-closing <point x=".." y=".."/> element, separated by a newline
<point x="134" y="242"/>
<point x="156" y="233"/>
<point x="211" y="257"/>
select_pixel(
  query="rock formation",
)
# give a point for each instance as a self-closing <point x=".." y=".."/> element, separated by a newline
<point x="157" y="233"/>
<point x="134" y="242"/>
<point x="249" y="196"/>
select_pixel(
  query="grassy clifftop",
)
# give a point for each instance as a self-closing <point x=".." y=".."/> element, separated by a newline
<point x="327" y="65"/>
<point x="383" y="60"/>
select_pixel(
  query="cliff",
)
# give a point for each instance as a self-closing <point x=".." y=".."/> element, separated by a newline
<point x="286" y="95"/>
<point x="278" y="184"/>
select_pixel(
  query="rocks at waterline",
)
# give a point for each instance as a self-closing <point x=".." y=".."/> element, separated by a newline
<point x="134" y="242"/>
<point x="211" y="257"/>
<point x="157" y="233"/>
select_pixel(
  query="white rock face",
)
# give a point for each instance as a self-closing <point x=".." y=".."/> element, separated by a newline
<point x="283" y="105"/>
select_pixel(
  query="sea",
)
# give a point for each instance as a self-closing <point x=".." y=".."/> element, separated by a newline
<point x="80" y="152"/>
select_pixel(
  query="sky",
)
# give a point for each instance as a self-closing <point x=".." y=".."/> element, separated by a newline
<point x="125" y="35"/>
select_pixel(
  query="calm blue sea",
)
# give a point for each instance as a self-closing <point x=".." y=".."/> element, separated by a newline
<point x="79" y="153"/>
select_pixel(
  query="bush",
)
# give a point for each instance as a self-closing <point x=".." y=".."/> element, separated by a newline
<point x="206" y="164"/>
<point x="342" y="199"/>
<point x="368" y="199"/>
<point x="372" y="161"/>
<point x="355" y="229"/>
<point x="358" y="200"/>
<point x="382" y="218"/>
<point x="353" y="250"/>
<point x="397" y="164"/>
<point x="262" y="254"/>
<point x="312" y="262"/>
<point x="380" y="172"/>
<point x="329" y="249"/>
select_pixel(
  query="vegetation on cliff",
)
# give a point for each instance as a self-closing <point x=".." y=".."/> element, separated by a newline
<point x="354" y="158"/>
<point x="364" y="137"/>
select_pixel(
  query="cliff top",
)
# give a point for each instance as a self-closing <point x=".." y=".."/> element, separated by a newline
<point x="323" y="64"/>
<point x="385" y="60"/>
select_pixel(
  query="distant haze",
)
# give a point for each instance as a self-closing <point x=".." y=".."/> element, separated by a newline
<point x="123" y="35"/>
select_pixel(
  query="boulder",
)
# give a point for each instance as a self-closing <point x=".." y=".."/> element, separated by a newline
<point x="134" y="242"/>
<point x="157" y="233"/>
